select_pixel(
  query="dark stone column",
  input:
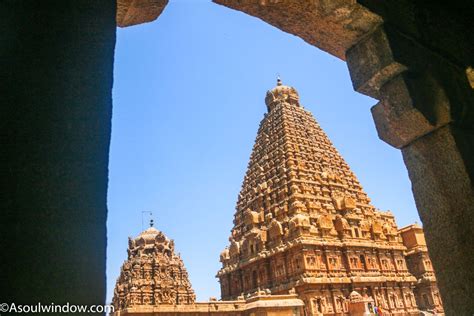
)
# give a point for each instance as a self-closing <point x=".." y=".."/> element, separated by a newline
<point x="56" y="73"/>
<point x="445" y="202"/>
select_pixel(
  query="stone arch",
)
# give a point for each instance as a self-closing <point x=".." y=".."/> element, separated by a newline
<point x="415" y="73"/>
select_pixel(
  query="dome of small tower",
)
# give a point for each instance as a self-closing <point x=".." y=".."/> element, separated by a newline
<point x="281" y="93"/>
<point x="152" y="235"/>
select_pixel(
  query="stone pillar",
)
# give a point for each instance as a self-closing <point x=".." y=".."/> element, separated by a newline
<point x="56" y="70"/>
<point x="424" y="107"/>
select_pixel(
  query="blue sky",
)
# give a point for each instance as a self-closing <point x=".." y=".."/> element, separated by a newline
<point x="188" y="96"/>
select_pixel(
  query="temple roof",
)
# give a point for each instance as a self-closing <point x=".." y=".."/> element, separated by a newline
<point x="299" y="189"/>
<point x="152" y="274"/>
<point x="281" y="93"/>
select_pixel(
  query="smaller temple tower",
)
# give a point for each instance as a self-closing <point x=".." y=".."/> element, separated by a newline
<point x="419" y="264"/>
<point x="153" y="274"/>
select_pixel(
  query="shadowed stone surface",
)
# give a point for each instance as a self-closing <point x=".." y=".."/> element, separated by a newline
<point x="397" y="116"/>
<point x="56" y="95"/>
<point x="448" y="229"/>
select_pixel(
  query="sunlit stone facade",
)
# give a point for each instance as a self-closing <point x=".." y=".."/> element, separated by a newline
<point x="304" y="223"/>
<point x="419" y="264"/>
<point x="306" y="239"/>
<point x="154" y="281"/>
<point x="153" y="274"/>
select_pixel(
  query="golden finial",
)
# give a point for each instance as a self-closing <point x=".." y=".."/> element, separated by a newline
<point x="278" y="80"/>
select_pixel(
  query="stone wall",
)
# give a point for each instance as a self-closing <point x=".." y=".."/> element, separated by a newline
<point x="261" y="305"/>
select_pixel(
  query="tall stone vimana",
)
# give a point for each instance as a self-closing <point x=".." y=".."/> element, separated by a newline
<point x="306" y="240"/>
<point x="303" y="223"/>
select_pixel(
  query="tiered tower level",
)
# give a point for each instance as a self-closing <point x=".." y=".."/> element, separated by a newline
<point x="304" y="223"/>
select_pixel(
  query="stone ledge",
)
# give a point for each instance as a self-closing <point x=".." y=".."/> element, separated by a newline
<point x="402" y="117"/>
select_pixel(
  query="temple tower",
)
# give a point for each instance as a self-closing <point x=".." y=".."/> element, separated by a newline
<point x="304" y="224"/>
<point x="419" y="264"/>
<point x="152" y="275"/>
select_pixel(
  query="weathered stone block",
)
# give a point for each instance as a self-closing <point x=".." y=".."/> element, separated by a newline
<point x="132" y="12"/>
<point x="400" y="117"/>
<point x="371" y="63"/>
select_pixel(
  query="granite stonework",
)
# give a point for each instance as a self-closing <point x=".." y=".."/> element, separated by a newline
<point x="303" y="223"/>
<point x="153" y="274"/>
<point x="57" y="116"/>
<point x="305" y="238"/>
<point x="154" y="281"/>
<point x="416" y="58"/>
<point x="419" y="264"/>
